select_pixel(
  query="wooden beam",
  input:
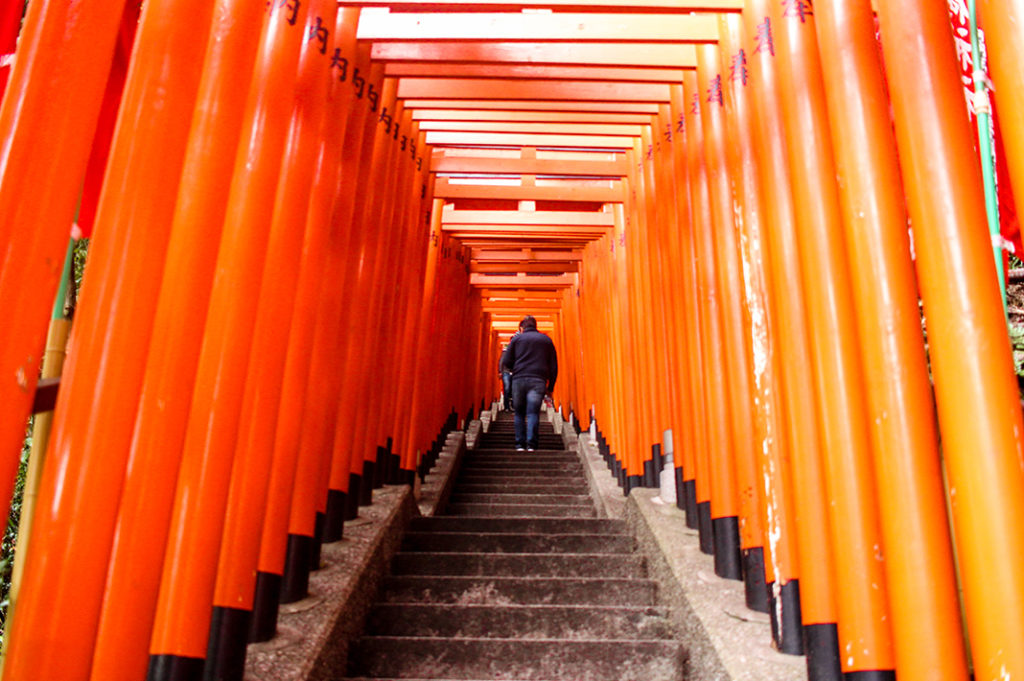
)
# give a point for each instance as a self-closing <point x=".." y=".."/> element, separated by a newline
<point x="381" y="25"/>
<point x="531" y="116"/>
<point x="521" y="294"/>
<point x="512" y="139"/>
<point x="531" y="267"/>
<point x="495" y="305"/>
<point x="486" y="255"/>
<point x="521" y="231"/>
<point x="526" y="166"/>
<point x="548" y="219"/>
<point x="531" y="105"/>
<point x="521" y="281"/>
<point x="601" y="6"/>
<point x="545" y="128"/>
<point x="520" y="238"/>
<point x="543" y="90"/>
<point x="637" y="55"/>
<point x="529" y="71"/>
<point x="445" y="190"/>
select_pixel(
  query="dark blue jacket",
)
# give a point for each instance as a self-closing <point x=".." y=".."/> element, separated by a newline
<point x="532" y="353"/>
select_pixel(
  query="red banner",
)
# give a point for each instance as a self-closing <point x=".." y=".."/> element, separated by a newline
<point x="1009" y="225"/>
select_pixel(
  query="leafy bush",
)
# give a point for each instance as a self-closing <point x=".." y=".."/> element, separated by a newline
<point x="10" y="537"/>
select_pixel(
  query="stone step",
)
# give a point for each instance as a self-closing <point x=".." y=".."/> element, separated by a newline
<point x="521" y="510"/>
<point x="477" y="465"/>
<point x="494" y="456"/>
<point x="451" y="542"/>
<point x="467" y="590"/>
<point x="519" y="564"/>
<point x="519" y="621"/>
<point x="476" y="476"/>
<point x="509" y="447"/>
<point x="531" y="499"/>
<point x="516" y="488"/>
<point x="396" y="678"/>
<point x="508" y="481"/>
<point x="519" y="525"/>
<point x="473" y="658"/>
<point x="546" y="444"/>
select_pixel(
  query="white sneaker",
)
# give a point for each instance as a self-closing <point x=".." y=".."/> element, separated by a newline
<point x="529" y="449"/>
<point x="520" y="449"/>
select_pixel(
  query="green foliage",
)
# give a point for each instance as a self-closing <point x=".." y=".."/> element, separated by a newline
<point x="10" y="537"/>
<point x="80" y="254"/>
<point x="1017" y="341"/>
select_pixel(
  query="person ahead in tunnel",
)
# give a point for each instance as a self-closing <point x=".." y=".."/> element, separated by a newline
<point x="531" y="357"/>
<point x="506" y="377"/>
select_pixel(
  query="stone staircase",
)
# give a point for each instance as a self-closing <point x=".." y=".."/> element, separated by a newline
<point x="519" y="580"/>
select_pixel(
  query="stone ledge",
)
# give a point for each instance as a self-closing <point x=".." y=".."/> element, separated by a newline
<point x="726" y="641"/>
<point x="437" y="487"/>
<point x="313" y="635"/>
<point x="604" y="489"/>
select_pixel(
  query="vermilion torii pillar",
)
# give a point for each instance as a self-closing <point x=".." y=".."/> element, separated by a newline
<point x="975" y="392"/>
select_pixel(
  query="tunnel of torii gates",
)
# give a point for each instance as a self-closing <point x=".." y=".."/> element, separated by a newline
<point x="314" y="226"/>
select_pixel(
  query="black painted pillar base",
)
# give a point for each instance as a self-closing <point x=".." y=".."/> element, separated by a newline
<point x="355" y="481"/>
<point x="318" y="540"/>
<point x="680" y="490"/>
<point x="786" y="618"/>
<point x="295" y="583"/>
<point x="380" y="467"/>
<point x="728" y="564"/>
<point x="406" y="477"/>
<point x="871" y="675"/>
<point x="651" y="468"/>
<point x="174" y="668"/>
<point x="394" y="467"/>
<point x="334" y="519"/>
<point x="821" y="645"/>
<point x="265" y="605"/>
<point x="366" y="489"/>
<point x="658" y="458"/>
<point x="704" y="527"/>
<point x="616" y="469"/>
<point x="690" y="495"/>
<point x="225" y="651"/>
<point x="632" y="481"/>
<point x="754" y="585"/>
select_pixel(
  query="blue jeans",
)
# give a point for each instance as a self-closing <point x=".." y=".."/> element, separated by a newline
<point x="506" y="384"/>
<point x="527" y="396"/>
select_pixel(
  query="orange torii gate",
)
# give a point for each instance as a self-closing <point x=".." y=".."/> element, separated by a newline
<point x="320" y="221"/>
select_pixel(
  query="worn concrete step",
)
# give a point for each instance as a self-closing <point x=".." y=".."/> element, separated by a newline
<point x="496" y="456"/>
<point x="509" y="449"/>
<point x="519" y="621"/>
<point x="551" y="442"/>
<point x="509" y="483"/>
<point x="516" y="467"/>
<point x="520" y="525"/>
<point x="471" y="658"/>
<point x="516" y="488"/>
<point x="451" y="542"/>
<point x="518" y="474"/>
<point x="467" y="590"/>
<point x="519" y="564"/>
<point x="458" y="497"/>
<point x="521" y="510"/>
<point x="524" y="478"/>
